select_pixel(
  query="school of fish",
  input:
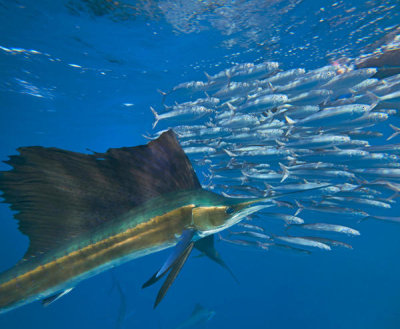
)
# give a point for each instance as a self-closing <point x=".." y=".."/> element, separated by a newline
<point x="314" y="137"/>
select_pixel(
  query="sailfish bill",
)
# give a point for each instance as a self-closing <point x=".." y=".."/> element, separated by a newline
<point x="86" y="213"/>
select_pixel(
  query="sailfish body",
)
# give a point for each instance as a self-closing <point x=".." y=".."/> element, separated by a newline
<point x="86" y="213"/>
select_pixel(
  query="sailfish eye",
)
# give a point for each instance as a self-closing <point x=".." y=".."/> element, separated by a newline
<point x="229" y="210"/>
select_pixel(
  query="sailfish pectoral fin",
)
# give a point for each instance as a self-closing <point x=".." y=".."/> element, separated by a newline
<point x="207" y="248"/>
<point x="179" y="249"/>
<point x="177" y="266"/>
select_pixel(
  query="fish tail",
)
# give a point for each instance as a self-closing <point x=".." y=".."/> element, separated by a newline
<point x="147" y="136"/>
<point x="268" y="189"/>
<point x="375" y="98"/>
<point x="231" y="154"/>
<point x="231" y="107"/>
<point x="299" y="209"/>
<point x="156" y="116"/>
<point x="280" y="143"/>
<point x="271" y="87"/>
<point x="208" y="76"/>
<point x="285" y="172"/>
<point x="270" y="115"/>
<point x="374" y="104"/>
<point x="396" y="132"/>
<point x="393" y="196"/>
<point x="244" y="179"/>
<point x="228" y="75"/>
<point x="290" y="121"/>
<point x="163" y="93"/>
<point x="289" y="131"/>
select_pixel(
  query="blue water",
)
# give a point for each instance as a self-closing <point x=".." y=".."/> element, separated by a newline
<point x="75" y="92"/>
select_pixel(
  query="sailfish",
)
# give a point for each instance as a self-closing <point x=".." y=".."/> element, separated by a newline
<point x="87" y="213"/>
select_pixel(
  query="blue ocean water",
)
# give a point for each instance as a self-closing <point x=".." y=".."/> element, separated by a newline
<point x="81" y="75"/>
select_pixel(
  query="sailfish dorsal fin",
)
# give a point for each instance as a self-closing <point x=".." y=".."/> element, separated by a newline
<point x="60" y="194"/>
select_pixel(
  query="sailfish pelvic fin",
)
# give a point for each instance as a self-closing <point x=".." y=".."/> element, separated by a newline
<point x="174" y="263"/>
<point x="176" y="268"/>
<point x="185" y="240"/>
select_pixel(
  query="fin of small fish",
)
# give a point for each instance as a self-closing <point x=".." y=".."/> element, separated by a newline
<point x="75" y="192"/>
<point x="49" y="300"/>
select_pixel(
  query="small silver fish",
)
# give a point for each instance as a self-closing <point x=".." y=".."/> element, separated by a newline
<point x="252" y="234"/>
<point x="365" y="85"/>
<point x="319" y="141"/>
<point x="252" y="71"/>
<point x="199" y="149"/>
<point x="333" y="114"/>
<point x="191" y="86"/>
<point x="284" y="77"/>
<point x="303" y="242"/>
<point x="236" y="89"/>
<point x="313" y="97"/>
<point x="329" y="228"/>
<point x="306" y="82"/>
<point x="329" y="242"/>
<point x="251" y="226"/>
<point x="289" y="219"/>
<point x="194" y="112"/>
<point x="333" y="209"/>
<point x="342" y="82"/>
<point x="240" y="121"/>
<point x="369" y="202"/>
<point x="264" y="102"/>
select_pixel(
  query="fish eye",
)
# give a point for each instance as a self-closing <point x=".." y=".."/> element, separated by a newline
<point x="229" y="210"/>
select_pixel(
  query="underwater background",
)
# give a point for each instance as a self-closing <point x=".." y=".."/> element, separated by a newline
<point x="82" y="74"/>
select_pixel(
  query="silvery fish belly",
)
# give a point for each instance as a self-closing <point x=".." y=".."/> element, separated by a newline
<point x="310" y="140"/>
